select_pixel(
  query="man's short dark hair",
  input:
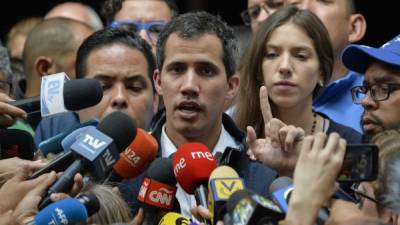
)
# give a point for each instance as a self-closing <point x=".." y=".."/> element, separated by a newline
<point x="110" y="8"/>
<point x="54" y="38"/>
<point x="195" y="24"/>
<point x="351" y="6"/>
<point x="108" y="37"/>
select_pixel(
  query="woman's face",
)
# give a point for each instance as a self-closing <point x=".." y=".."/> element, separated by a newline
<point x="290" y="66"/>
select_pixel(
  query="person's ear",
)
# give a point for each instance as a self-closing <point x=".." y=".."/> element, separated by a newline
<point x="156" y="102"/>
<point x="43" y="65"/>
<point x="157" y="81"/>
<point x="357" y="27"/>
<point x="233" y="86"/>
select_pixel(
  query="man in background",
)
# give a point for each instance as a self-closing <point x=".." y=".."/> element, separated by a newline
<point x="345" y="26"/>
<point x="51" y="48"/>
<point x="76" y="11"/>
<point x="146" y="17"/>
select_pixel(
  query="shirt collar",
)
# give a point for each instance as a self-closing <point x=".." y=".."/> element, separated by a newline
<point x="224" y="140"/>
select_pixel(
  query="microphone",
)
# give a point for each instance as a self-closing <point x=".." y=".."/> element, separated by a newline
<point x="245" y="207"/>
<point x="112" y="125"/>
<point x="71" y="138"/>
<point x="54" y="144"/>
<point x="135" y="158"/>
<point x="16" y="143"/>
<point x="68" y="211"/>
<point x="193" y="164"/>
<point x="95" y="151"/>
<point x="281" y="190"/>
<point x="224" y="181"/>
<point x="173" y="218"/>
<point x="77" y="94"/>
<point x="158" y="189"/>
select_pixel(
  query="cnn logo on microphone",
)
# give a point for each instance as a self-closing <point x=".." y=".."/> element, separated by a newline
<point x="157" y="194"/>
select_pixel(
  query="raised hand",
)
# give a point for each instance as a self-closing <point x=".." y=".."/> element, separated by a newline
<point x="279" y="149"/>
<point x="314" y="178"/>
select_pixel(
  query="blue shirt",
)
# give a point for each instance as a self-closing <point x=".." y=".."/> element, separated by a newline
<point x="336" y="102"/>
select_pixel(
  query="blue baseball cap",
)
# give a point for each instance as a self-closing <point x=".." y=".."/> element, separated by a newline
<point x="359" y="57"/>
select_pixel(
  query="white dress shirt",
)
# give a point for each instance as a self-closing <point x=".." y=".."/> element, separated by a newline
<point x="185" y="200"/>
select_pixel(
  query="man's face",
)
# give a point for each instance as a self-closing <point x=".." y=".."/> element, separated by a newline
<point x="259" y="10"/>
<point x="194" y="86"/>
<point x="334" y="14"/>
<point x="123" y="73"/>
<point x="381" y="115"/>
<point x="144" y="11"/>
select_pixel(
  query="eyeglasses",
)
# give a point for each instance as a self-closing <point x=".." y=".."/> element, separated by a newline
<point x="153" y="29"/>
<point x="5" y="87"/>
<point x="252" y="13"/>
<point x="359" y="195"/>
<point x="378" y="92"/>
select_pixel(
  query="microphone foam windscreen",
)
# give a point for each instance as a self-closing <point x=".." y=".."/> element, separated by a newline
<point x="161" y="170"/>
<point x="90" y="201"/>
<point x="66" y="211"/>
<point x="120" y="127"/>
<point x="235" y="198"/>
<point x="16" y="143"/>
<point x="173" y="218"/>
<point x="82" y="93"/>
<point x="137" y="156"/>
<point x="223" y="172"/>
<point x="193" y="164"/>
<point x="278" y="183"/>
<point x="224" y="181"/>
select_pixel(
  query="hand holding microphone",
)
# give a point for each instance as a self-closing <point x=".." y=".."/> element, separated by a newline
<point x="193" y="164"/>
<point x="28" y="206"/>
<point x="8" y="112"/>
<point x="96" y="152"/>
<point x="68" y="211"/>
<point x="77" y="94"/>
<point x="17" y="187"/>
<point x="314" y="178"/>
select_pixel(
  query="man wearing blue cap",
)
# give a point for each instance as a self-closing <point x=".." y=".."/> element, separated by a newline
<point x="379" y="95"/>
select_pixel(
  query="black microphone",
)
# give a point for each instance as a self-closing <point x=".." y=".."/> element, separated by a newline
<point x="246" y="207"/>
<point x="77" y="94"/>
<point x="158" y="189"/>
<point x="96" y="151"/>
<point x="16" y="143"/>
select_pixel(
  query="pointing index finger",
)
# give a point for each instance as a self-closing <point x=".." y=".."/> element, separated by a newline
<point x="264" y="105"/>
